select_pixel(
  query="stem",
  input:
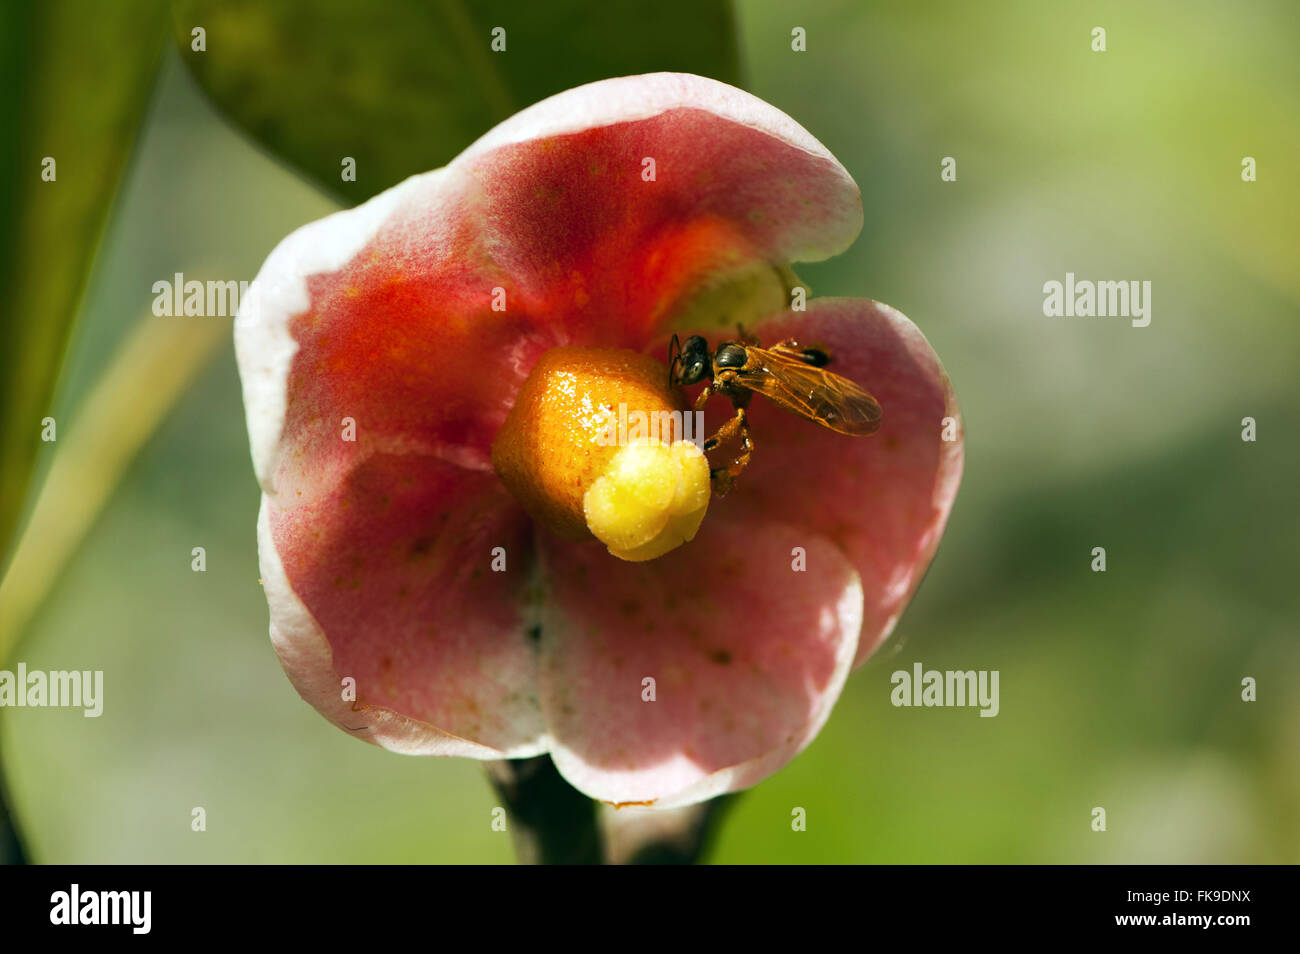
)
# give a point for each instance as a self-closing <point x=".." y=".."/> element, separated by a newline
<point x="551" y="822"/>
<point x="675" y="836"/>
<point x="554" y="824"/>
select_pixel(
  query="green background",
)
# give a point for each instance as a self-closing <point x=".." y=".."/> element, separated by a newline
<point x="1119" y="689"/>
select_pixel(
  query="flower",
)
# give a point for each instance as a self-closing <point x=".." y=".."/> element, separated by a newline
<point x="382" y="348"/>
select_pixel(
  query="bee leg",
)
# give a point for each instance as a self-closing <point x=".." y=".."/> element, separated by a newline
<point x="711" y="443"/>
<point x="700" y="406"/>
<point x="724" y="477"/>
<point x="746" y="445"/>
<point x="727" y="431"/>
<point x="720" y="436"/>
<point x="746" y="442"/>
<point x="703" y="399"/>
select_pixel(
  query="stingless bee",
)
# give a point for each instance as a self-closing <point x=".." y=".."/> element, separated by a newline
<point x="791" y="376"/>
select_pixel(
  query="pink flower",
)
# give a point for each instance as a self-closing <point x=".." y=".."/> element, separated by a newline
<point x="377" y="553"/>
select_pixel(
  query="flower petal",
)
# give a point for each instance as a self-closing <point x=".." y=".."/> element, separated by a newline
<point x="418" y="314"/>
<point x="389" y="580"/>
<point x="883" y="499"/>
<point x="368" y="318"/>
<point x="748" y="656"/>
<point x="600" y="249"/>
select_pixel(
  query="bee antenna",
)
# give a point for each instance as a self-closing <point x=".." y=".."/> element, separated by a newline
<point x="674" y="358"/>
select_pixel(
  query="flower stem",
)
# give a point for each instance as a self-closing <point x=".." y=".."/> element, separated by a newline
<point x="551" y="822"/>
<point x="674" y="836"/>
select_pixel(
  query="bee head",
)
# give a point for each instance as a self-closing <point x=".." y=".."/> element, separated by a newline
<point x="691" y="364"/>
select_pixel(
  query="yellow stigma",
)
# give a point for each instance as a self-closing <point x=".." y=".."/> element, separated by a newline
<point x="567" y="455"/>
<point x="649" y="500"/>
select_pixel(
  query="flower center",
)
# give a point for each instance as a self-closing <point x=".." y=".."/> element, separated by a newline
<point x="594" y="446"/>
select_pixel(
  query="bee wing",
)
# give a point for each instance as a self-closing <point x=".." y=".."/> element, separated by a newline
<point x="819" y="395"/>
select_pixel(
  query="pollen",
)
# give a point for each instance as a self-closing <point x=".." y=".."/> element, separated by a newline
<point x="651" y="499"/>
<point x="567" y="455"/>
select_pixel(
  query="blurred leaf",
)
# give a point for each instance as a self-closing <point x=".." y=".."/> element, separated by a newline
<point x="76" y="77"/>
<point x="403" y="86"/>
<point x="12" y="851"/>
<point x="149" y="372"/>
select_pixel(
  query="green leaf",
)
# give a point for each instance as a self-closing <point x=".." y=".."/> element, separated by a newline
<point x="403" y="86"/>
<point x="75" y="78"/>
<point x="136" y="391"/>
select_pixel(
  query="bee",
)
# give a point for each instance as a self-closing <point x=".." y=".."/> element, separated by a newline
<point x="790" y="375"/>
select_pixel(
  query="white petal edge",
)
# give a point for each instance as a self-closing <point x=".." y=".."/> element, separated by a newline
<point x="264" y="347"/>
<point x="308" y="661"/>
<point x="632" y="98"/>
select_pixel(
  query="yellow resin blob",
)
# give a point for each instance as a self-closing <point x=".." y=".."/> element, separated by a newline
<point x="564" y="456"/>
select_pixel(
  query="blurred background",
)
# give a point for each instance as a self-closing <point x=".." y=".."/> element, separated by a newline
<point x="1119" y="689"/>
